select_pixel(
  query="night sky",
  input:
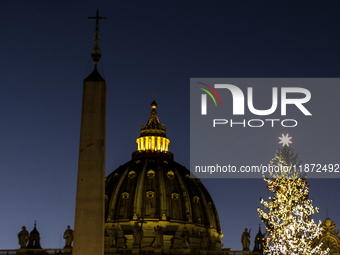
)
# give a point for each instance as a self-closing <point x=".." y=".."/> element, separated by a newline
<point x="149" y="46"/>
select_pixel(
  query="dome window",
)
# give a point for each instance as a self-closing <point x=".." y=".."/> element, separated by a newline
<point x="175" y="196"/>
<point x="125" y="195"/>
<point x="210" y="204"/>
<point x="132" y="174"/>
<point x="150" y="194"/>
<point x="170" y="175"/>
<point x="187" y="176"/>
<point x="196" y="199"/>
<point x="151" y="173"/>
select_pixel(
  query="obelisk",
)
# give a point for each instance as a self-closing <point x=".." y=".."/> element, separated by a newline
<point x="89" y="216"/>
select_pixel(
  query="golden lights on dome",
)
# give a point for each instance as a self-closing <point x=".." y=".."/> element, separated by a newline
<point x="153" y="143"/>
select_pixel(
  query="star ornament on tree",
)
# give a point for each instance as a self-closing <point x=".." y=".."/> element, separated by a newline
<point x="285" y="140"/>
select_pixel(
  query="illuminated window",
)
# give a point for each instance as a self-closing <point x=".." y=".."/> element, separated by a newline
<point x="158" y="148"/>
<point x="151" y="173"/>
<point x="196" y="199"/>
<point x="152" y="143"/>
<point x="138" y="141"/>
<point x="125" y="195"/>
<point x="175" y="196"/>
<point x="150" y="194"/>
<point x="170" y="175"/>
<point x="132" y="174"/>
<point x="147" y="143"/>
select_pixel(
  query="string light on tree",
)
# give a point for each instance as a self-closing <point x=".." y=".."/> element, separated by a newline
<point x="287" y="214"/>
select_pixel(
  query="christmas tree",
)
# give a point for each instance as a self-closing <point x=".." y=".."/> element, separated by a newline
<point x="287" y="214"/>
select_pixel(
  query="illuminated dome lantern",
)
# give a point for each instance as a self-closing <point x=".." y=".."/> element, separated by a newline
<point x="152" y="204"/>
<point x="153" y="134"/>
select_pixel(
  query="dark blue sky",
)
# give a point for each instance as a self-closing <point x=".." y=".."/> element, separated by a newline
<point x="147" y="46"/>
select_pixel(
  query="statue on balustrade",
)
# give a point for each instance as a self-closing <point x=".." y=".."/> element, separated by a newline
<point x="113" y="236"/>
<point x="245" y="239"/>
<point x="23" y="237"/>
<point x="185" y="237"/>
<point x="68" y="236"/>
<point x="137" y="234"/>
<point x="158" y="236"/>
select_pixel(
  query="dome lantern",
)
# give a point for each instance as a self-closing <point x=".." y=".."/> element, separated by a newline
<point x="153" y="134"/>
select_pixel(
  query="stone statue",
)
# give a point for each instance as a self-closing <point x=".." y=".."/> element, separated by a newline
<point x="23" y="237"/>
<point x="245" y="239"/>
<point x="68" y="236"/>
<point x="205" y="240"/>
<point x="137" y="234"/>
<point x="185" y="237"/>
<point x="113" y="236"/>
<point x="158" y="237"/>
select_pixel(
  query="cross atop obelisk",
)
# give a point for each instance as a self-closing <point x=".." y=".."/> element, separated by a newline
<point x="97" y="18"/>
<point x="96" y="53"/>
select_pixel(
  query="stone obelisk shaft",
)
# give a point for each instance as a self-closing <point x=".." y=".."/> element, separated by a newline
<point x="89" y="217"/>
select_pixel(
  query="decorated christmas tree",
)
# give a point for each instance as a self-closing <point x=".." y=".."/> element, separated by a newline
<point x="287" y="214"/>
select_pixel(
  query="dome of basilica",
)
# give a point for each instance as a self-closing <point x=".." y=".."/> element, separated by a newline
<point x="153" y="193"/>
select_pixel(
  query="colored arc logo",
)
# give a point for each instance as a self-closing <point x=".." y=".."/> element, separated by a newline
<point x="208" y="92"/>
